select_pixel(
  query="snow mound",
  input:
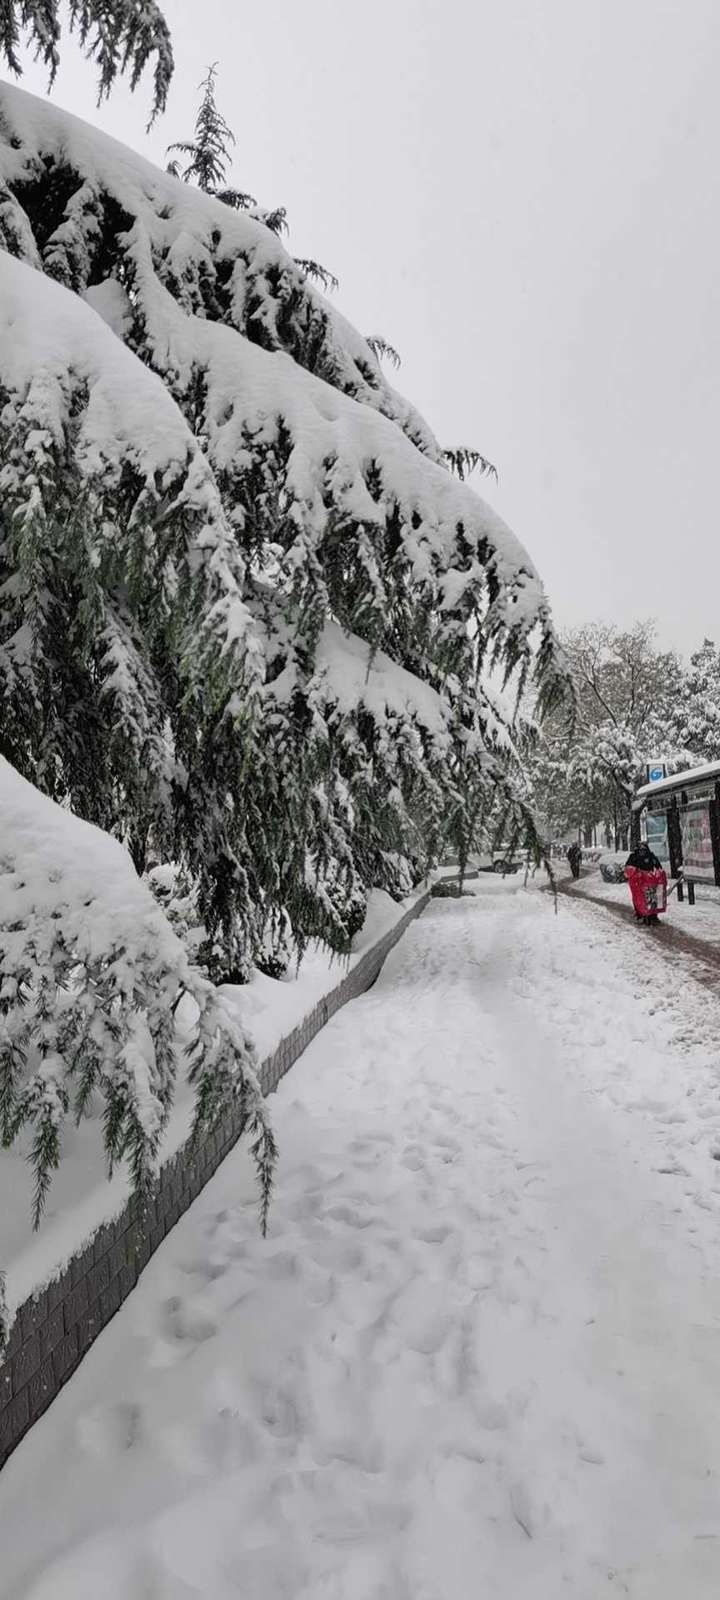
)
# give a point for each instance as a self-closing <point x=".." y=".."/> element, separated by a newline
<point x="90" y="975"/>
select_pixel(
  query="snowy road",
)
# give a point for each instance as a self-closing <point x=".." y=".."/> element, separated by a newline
<point x="479" y="1353"/>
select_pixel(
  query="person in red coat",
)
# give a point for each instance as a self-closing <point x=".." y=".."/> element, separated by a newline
<point x="641" y="859"/>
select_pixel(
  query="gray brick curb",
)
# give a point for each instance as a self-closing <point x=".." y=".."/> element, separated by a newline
<point x="55" y="1328"/>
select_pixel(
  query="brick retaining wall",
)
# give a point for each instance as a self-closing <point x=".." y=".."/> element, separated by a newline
<point x="53" y="1329"/>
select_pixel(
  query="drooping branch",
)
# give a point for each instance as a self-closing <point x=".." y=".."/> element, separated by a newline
<point x="122" y="36"/>
<point x="382" y="349"/>
<point x="463" y="461"/>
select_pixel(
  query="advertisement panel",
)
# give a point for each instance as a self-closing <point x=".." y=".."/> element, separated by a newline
<point x="697" y="849"/>
<point x="657" y="837"/>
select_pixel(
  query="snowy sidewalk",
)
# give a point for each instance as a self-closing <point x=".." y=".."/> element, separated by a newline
<point x="479" y="1353"/>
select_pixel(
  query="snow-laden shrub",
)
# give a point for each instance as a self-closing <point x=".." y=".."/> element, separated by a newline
<point x="91" y="974"/>
<point x="448" y="891"/>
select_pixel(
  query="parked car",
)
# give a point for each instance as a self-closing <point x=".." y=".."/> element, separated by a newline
<point x="612" y="872"/>
<point x="503" y="863"/>
<point x="498" y="861"/>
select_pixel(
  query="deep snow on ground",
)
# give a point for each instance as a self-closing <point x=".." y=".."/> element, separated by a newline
<point x="479" y="1352"/>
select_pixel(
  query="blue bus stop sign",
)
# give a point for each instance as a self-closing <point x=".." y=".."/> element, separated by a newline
<point x="655" y="774"/>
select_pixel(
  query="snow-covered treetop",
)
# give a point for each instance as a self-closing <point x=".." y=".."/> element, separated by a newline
<point x="190" y="233"/>
<point x="214" y="299"/>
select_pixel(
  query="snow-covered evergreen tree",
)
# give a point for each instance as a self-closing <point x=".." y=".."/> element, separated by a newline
<point x="287" y="785"/>
<point x="627" y="698"/>
<point x="697" y="709"/>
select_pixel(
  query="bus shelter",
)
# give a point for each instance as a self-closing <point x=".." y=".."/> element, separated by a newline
<point x="680" y="817"/>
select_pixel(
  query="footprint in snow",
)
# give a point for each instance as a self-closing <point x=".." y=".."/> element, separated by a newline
<point x="282" y="1265"/>
<point x="430" y="1336"/>
<point x="492" y="1415"/>
<point x="279" y="1413"/>
<point x="110" y="1430"/>
<point x="347" y="1258"/>
<point x="185" y="1323"/>
<point x="209" y="1271"/>
<point x="231" y="1441"/>
<point x="522" y="1509"/>
<point x="352" y="1450"/>
<point x="438" y="1233"/>
<point x="350" y="1215"/>
<point x="413" y="1160"/>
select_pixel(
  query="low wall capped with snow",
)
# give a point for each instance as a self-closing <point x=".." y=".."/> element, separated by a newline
<point x="53" y="1329"/>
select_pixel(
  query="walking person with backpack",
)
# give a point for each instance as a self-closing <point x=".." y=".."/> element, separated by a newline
<point x="574" y="855"/>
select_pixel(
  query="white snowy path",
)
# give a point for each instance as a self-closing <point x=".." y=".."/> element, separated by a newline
<point x="479" y="1353"/>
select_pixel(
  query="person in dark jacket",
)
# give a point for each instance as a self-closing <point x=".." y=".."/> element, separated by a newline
<point x="643" y="859"/>
<point x="574" y="855"/>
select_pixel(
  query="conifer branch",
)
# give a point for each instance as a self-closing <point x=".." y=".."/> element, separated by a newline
<point x="120" y="35"/>
<point x="463" y="462"/>
<point x="312" y="269"/>
<point x="380" y="348"/>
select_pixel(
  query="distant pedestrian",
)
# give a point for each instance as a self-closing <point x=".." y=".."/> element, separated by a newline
<point x="574" y="856"/>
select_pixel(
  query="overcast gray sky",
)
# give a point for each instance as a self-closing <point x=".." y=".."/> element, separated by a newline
<point x="523" y="198"/>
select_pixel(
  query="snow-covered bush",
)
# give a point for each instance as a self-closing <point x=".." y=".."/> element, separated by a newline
<point x="247" y="611"/>
<point x="91" y="973"/>
<point x="449" y="891"/>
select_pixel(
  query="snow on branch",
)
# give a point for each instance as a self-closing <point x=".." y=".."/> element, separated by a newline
<point x="382" y="349"/>
<point x="167" y="257"/>
<point x="76" y="401"/>
<point x="312" y="269"/>
<point x="123" y="625"/>
<point x="230" y="428"/>
<point x="237" y="268"/>
<point x="90" y="974"/>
